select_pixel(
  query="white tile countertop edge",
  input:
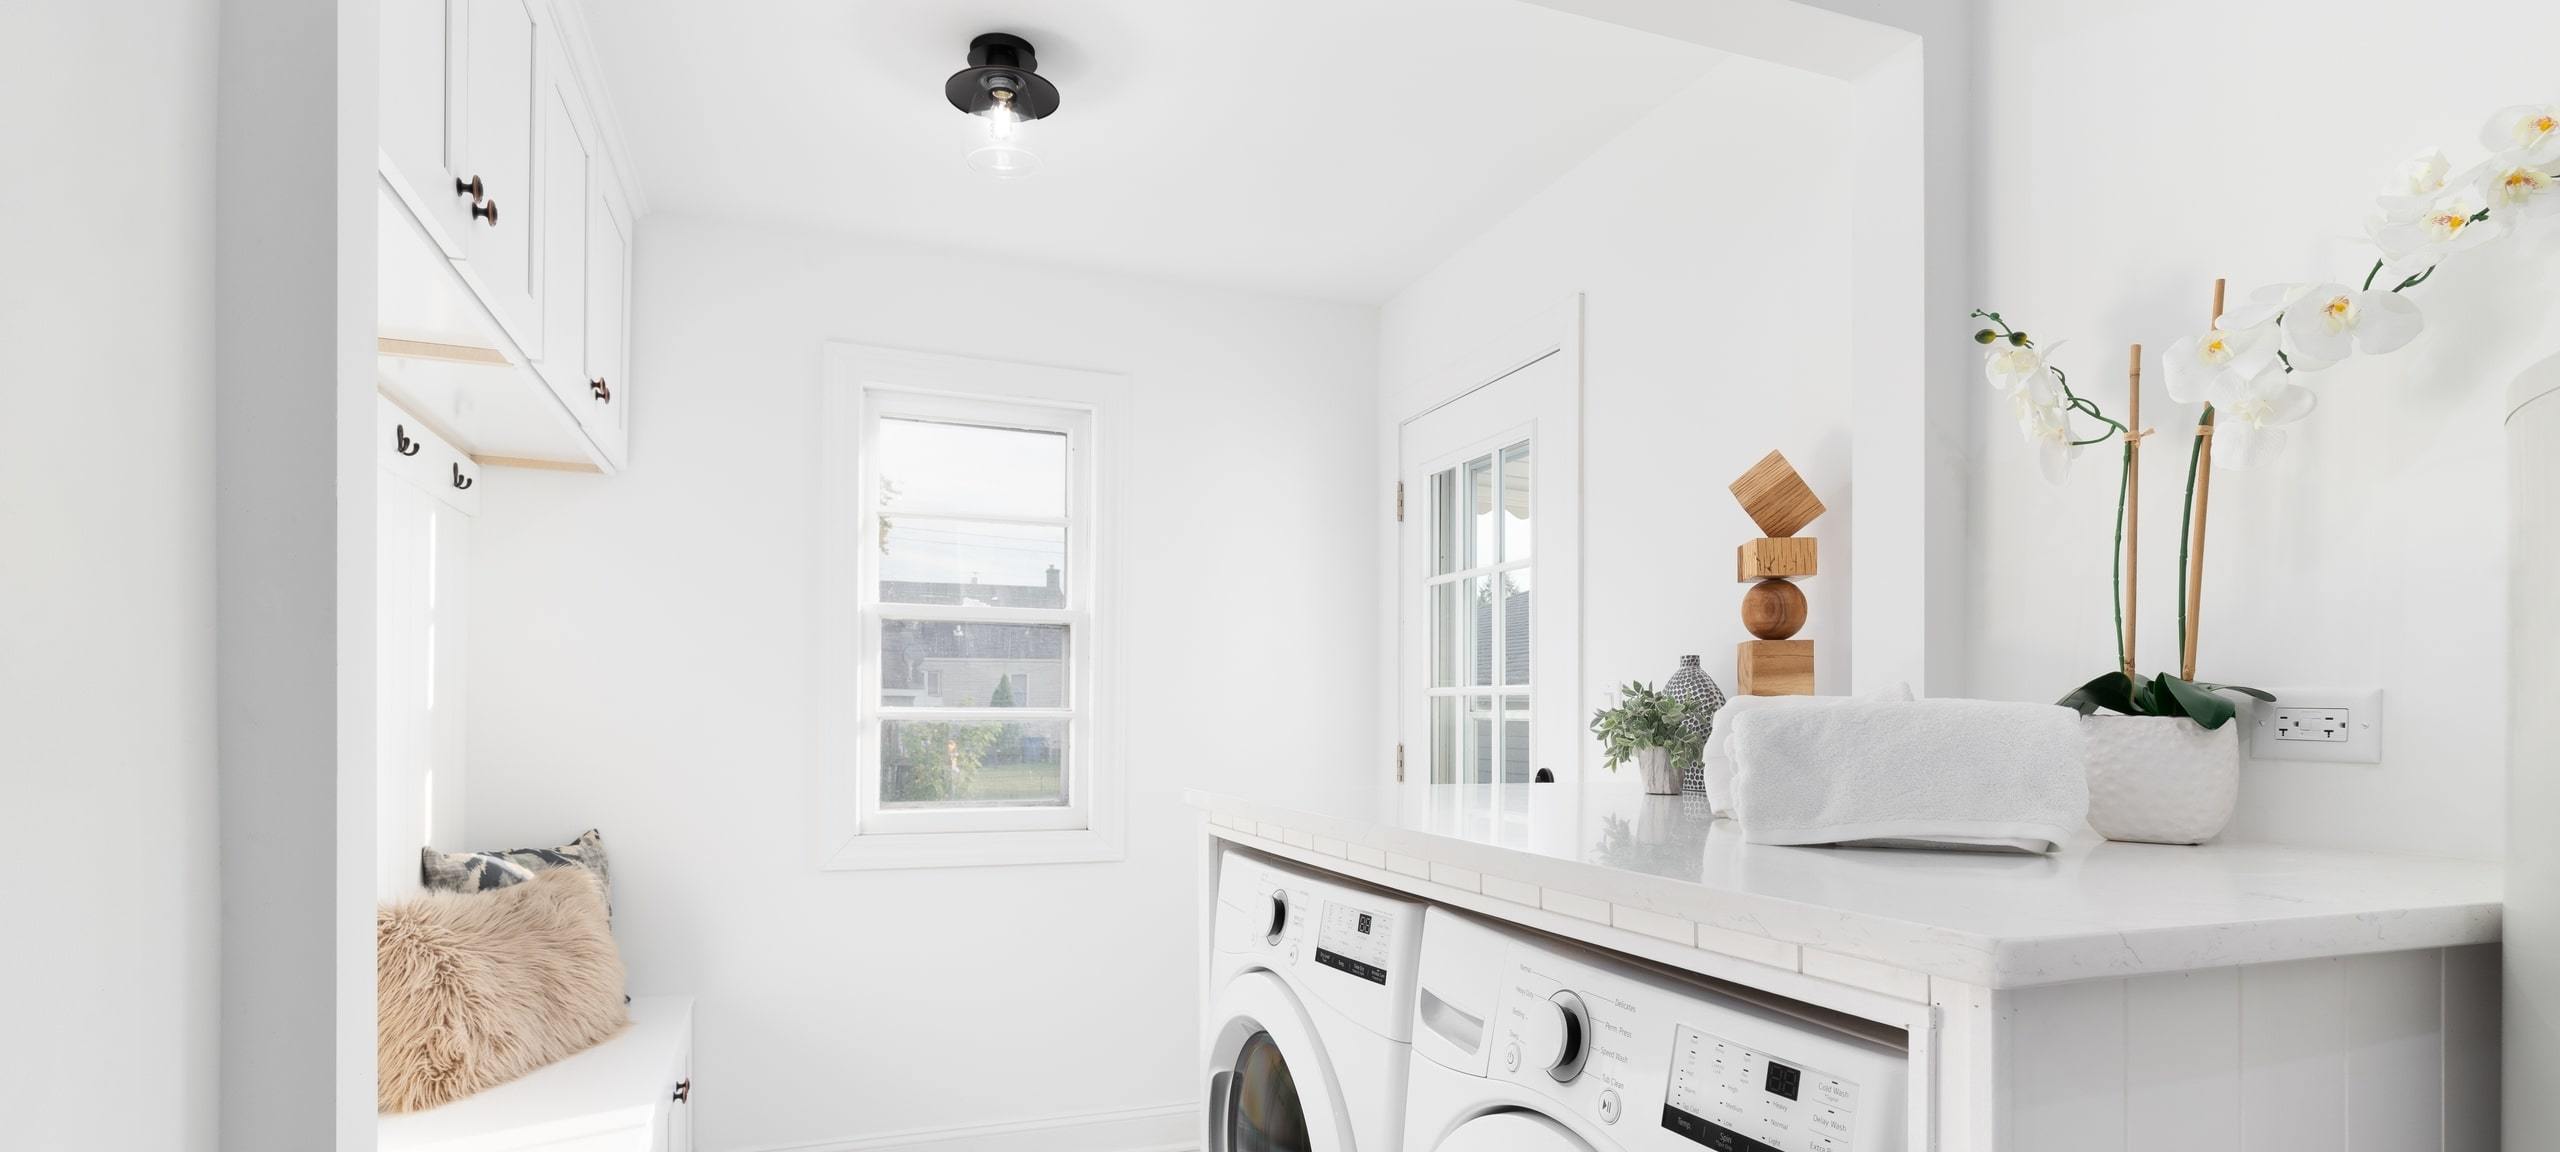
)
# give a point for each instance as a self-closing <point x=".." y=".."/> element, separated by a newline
<point x="1886" y="920"/>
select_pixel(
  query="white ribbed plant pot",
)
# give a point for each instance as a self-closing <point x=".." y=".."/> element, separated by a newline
<point x="1659" y="779"/>
<point x="2161" y="779"/>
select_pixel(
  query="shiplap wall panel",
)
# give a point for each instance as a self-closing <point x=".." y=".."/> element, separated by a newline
<point x="2182" y="1061"/>
<point x="2390" y="1052"/>
<point x="2395" y="1052"/>
<point x="2471" y="1065"/>
<point x="2293" y="1057"/>
<point x="2069" y="1067"/>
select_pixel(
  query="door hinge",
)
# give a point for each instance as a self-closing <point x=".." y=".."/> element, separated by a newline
<point x="1399" y="501"/>
<point x="1399" y="763"/>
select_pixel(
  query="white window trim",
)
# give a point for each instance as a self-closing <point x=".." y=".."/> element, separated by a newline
<point x="852" y="831"/>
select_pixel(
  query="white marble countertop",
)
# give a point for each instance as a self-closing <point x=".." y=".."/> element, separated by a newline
<point x="1662" y="867"/>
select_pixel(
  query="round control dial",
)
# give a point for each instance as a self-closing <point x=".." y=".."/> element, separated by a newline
<point x="1557" y="1036"/>
<point x="1279" y="916"/>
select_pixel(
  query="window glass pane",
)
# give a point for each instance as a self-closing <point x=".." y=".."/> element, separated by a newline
<point x="928" y="561"/>
<point x="939" y="664"/>
<point x="1516" y="488"/>
<point x="1515" y="739"/>
<point x="1479" y="739"/>
<point x="1444" y="739"/>
<point x="1444" y="636"/>
<point x="1475" y="649"/>
<point x="973" y="763"/>
<point x="936" y="467"/>
<point x="1516" y="617"/>
<point x="1444" y="522"/>
<point x="1481" y="526"/>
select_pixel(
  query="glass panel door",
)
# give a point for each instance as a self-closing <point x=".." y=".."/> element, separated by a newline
<point x="1479" y="596"/>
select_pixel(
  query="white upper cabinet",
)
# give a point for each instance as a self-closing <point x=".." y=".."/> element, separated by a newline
<point x="560" y="132"/>
<point x="608" y="318"/>
<point x="421" y="65"/>
<point x="506" y="236"/>
<point x="501" y="100"/>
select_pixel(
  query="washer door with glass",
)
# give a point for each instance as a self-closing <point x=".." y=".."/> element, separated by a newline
<point x="1270" y="1087"/>
<point x="1512" y="1132"/>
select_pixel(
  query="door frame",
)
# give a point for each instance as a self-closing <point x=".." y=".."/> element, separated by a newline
<point x="1555" y="332"/>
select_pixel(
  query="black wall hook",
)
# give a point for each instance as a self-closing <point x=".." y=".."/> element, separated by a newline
<point x="461" y="481"/>
<point x="405" y="445"/>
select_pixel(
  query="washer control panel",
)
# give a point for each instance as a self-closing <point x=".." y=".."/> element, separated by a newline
<point x="1733" y="1098"/>
<point x="1356" y="940"/>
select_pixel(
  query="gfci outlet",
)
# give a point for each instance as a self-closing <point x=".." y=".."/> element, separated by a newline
<point x="2335" y="725"/>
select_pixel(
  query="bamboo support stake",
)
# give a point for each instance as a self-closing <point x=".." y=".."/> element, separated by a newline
<point x="2133" y="509"/>
<point x="2203" y="504"/>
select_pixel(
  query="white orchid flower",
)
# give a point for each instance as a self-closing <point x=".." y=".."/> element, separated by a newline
<point x="2249" y="417"/>
<point x="2509" y="184"/>
<point x="2530" y="129"/>
<point x="2198" y="365"/>
<point x="2010" y="367"/>
<point x="2453" y="223"/>
<point x="2263" y="305"/>
<point x="2045" y="421"/>
<point x="2415" y="185"/>
<point x="2333" y="321"/>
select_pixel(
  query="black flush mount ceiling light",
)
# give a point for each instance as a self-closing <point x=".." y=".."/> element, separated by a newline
<point x="1003" y="87"/>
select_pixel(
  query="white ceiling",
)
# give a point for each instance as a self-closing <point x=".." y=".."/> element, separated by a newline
<point x="1331" y="148"/>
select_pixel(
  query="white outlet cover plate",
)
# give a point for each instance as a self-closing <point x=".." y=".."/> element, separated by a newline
<point x="2363" y="709"/>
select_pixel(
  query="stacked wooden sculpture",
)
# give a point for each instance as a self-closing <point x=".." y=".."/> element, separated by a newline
<point x="1779" y="501"/>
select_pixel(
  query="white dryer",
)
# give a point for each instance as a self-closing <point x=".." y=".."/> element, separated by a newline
<point x="1310" y="1023"/>
<point x="1523" y="1045"/>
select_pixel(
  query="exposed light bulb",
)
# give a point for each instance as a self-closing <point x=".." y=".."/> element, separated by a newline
<point x="1003" y="156"/>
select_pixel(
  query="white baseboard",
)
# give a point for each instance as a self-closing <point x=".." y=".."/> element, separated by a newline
<point x="1168" y="1128"/>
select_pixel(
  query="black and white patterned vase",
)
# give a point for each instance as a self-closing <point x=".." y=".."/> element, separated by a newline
<point x="1692" y="686"/>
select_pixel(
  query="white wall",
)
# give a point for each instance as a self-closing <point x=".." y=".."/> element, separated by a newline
<point x="2130" y="154"/>
<point x="1713" y="256"/>
<point x="106" y="591"/>
<point x="641" y="663"/>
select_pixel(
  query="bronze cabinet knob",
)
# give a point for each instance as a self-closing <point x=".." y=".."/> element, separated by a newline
<point x="468" y="188"/>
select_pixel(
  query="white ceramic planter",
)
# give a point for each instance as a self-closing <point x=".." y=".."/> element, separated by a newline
<point x="1659" y="779"/>
<point x="2161" y="779"/>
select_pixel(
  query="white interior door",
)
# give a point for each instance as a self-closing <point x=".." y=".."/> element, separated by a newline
<point x="1488" y="660"/>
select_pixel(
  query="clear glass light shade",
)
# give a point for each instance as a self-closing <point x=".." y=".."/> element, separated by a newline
<point x="999" y="152"/>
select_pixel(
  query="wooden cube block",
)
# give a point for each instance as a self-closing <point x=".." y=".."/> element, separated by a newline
<point x="1777" y="499"/>
<point x="1775" y="557"/>
<point x="1774" y="667"/>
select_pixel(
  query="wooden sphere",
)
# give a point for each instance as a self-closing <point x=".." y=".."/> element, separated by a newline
<point x="1773" y="609"/>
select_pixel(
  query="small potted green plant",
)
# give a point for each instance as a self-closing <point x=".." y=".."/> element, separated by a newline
<point x="1645" y="727"/>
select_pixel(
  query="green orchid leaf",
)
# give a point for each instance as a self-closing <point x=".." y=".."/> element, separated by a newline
<point x="2111" y="691"/>
<point x="2260" y="693"/>
<point x="2199" y="703"/>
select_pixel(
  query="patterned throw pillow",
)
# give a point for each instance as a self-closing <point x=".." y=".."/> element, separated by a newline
<point x="489" y="871"/>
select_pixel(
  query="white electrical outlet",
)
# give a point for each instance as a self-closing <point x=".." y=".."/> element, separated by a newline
<point x="2338" y="726"/>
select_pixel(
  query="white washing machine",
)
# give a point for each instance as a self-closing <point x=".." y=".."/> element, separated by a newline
<point x="1310" y="1023"/>
<point x="1523" y="1045"/>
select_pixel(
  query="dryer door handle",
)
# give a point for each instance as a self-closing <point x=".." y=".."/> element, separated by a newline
<point x="1222" y="1087"/>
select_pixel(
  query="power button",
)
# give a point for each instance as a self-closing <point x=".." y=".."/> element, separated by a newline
<point x="1609" y="1107"/>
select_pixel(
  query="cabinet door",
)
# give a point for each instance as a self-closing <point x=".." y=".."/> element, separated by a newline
<point x="421" y="65"/>
<point x="561" y="133"/>
<point x="608" y="317"/>
<point x="501" y="101"/>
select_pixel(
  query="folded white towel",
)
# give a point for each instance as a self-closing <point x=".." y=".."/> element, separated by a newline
<point x="1930" y="773"/>
<point x="1715" y="762"/>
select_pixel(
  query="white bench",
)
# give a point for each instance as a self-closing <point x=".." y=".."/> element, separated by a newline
<point x="628" y="1094"/>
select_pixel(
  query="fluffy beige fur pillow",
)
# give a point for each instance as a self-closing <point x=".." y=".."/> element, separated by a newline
<point x="479" y="988"/>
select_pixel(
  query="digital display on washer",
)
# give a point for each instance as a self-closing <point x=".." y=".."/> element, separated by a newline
<point x="1735" y="1099"/>
<point x="1354" y="941"/>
